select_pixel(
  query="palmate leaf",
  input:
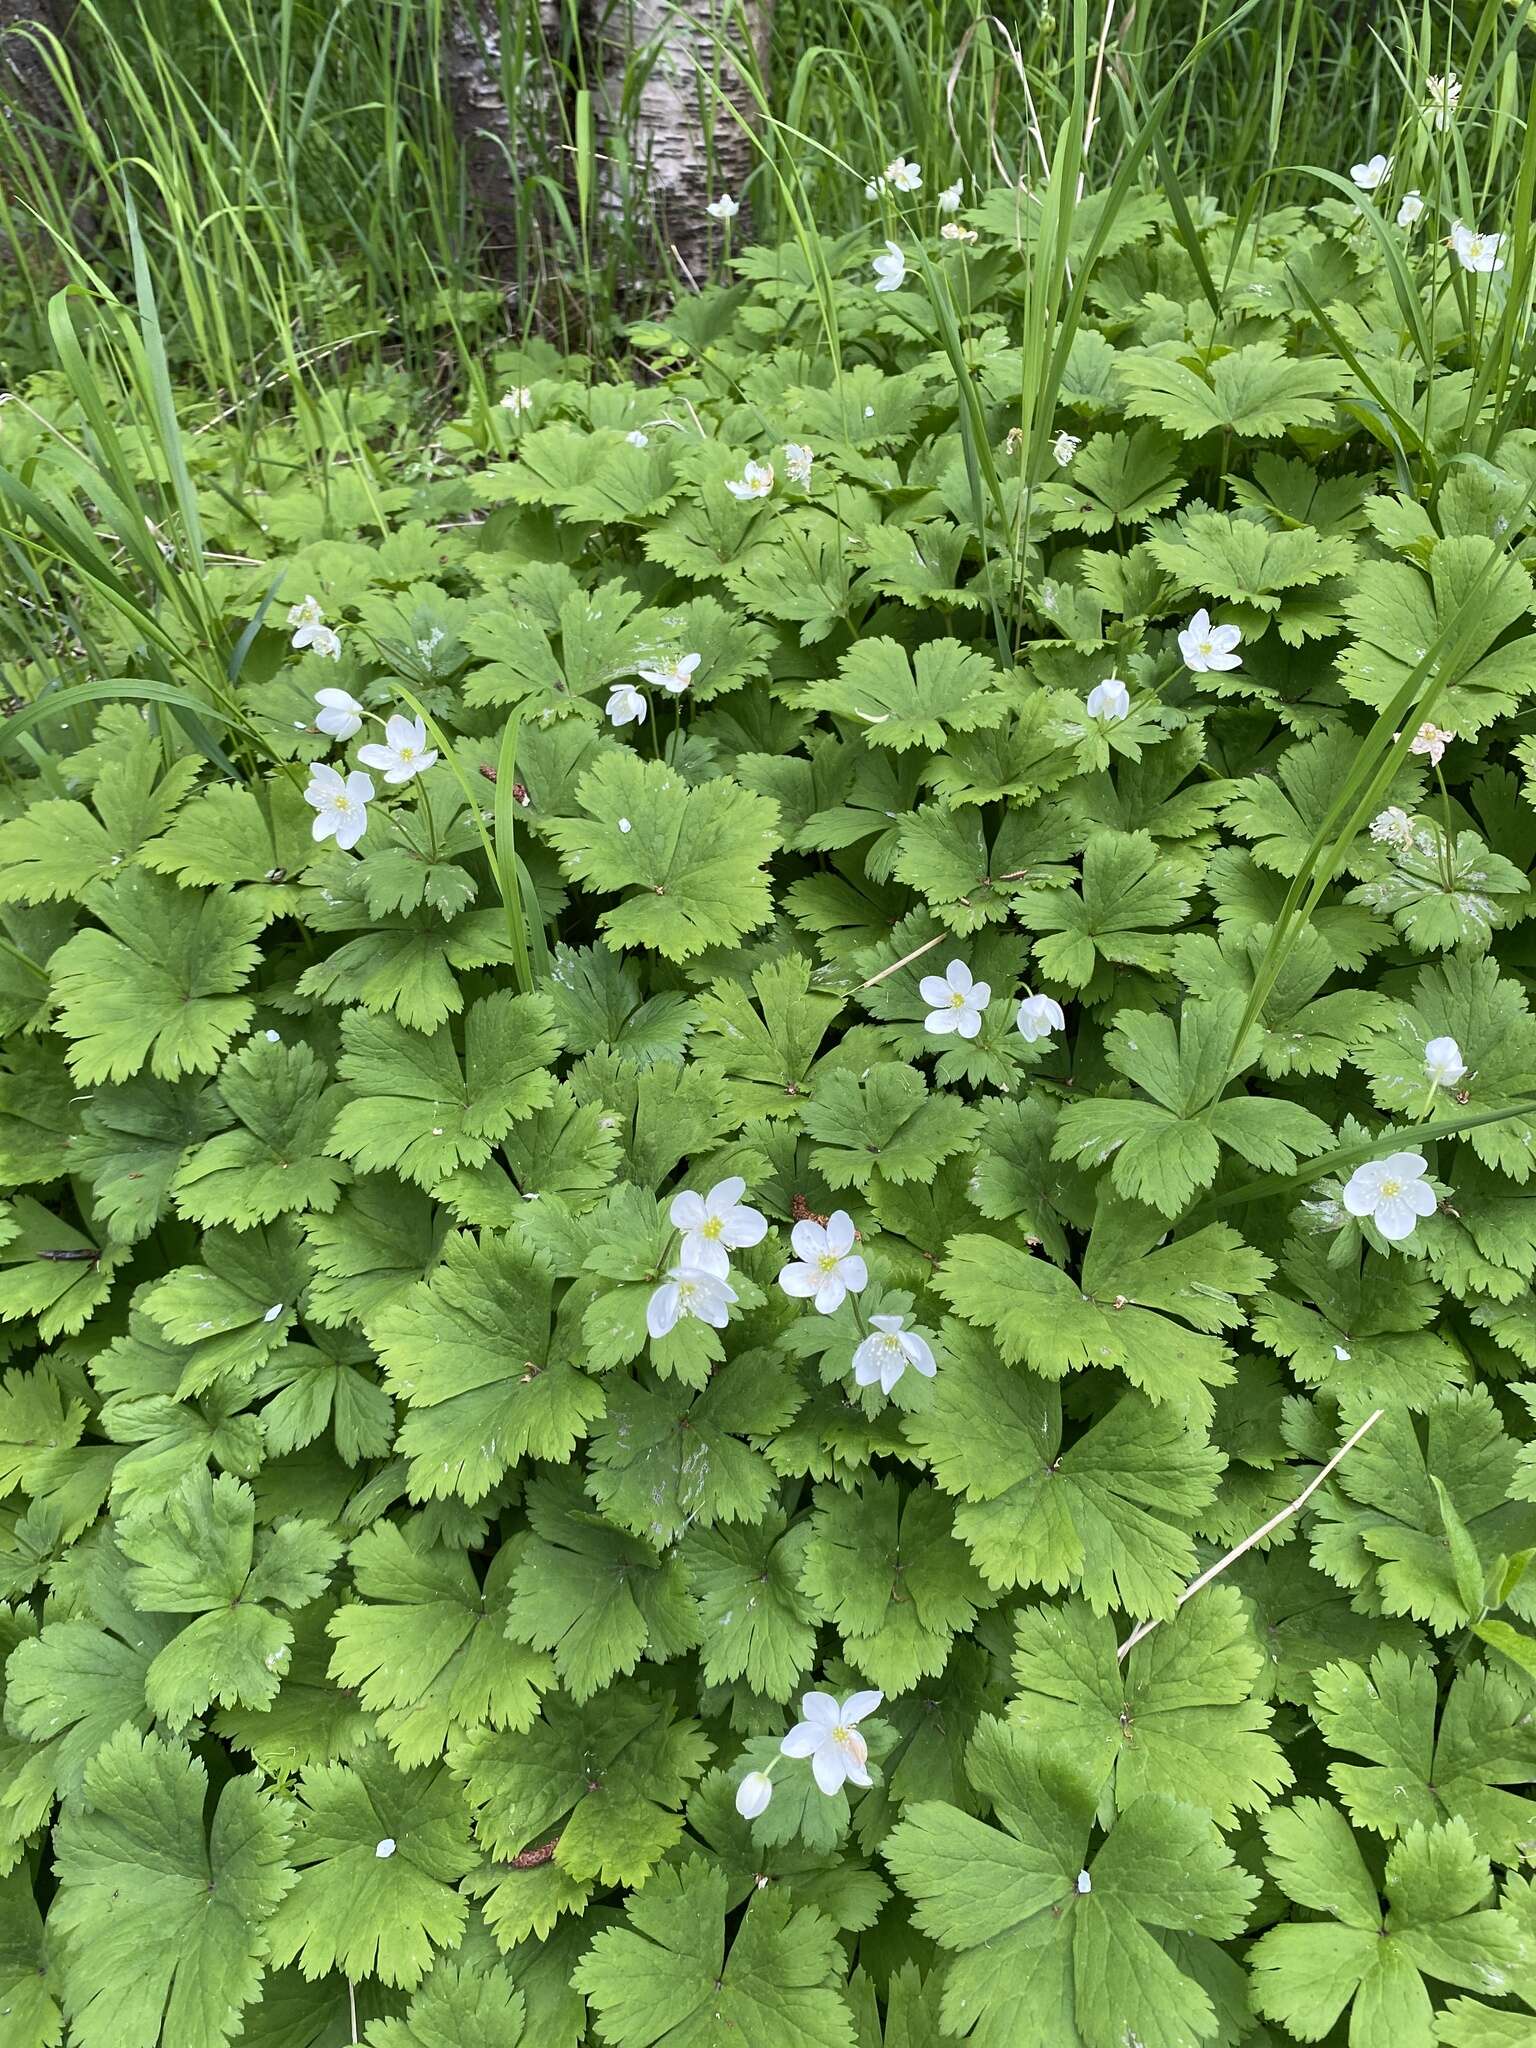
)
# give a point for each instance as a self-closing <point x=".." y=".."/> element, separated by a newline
<point x="1043" y="1959"/>
<point x="1120" y="912"/>
<point x="469" y="1353"/>
<point x="1117" y="479"/>
<point x="1441" y="897"/>
<point x="763" y="1050"/>
<point x="1359" y="1330"/>
<point x="605" y="1782"/>
<point x="461" y="2005"/>
<point x="756" y="1621"/>
<point x="416" y="1106"/>
<point x="902" y="700"/>
<point x="887" y="1123"/>
<point x="1164" y="1150"/>
<point x="165" y="1925"/>
<point x="1437" y="1924"/>
<point x="1232" y="557"/>
<point x="57" y="848"/>
<point x="666" y="1977"/>
<point x="49" y="1270"/>
<point x="694" y="856"/>
<point x="1397" y="612"/>
<point x="1418" y="1522"/>
<point x="598" y="1598"/>
<point x="665" y="1459"/>
<point x="378" y="1854"/>
<point x="135" y="1139"/>
<point x="232" y="1312"/>
<point x="157" y="986"/>
<point x="1121" y="1316"/>
<point x="257" y="839"/>
<point x="198" y="1553"/>
<point x="1418" y="1773"/>
<point x="30" y="1977"/>
<point x="1178" y="1717"/>
<point x="890" y="1575"/>
<point x="425" y="1646"/>
<point x="275" y="1162"/>
<point x="1254" y="391"/>
<point x="1111" y="1512"/>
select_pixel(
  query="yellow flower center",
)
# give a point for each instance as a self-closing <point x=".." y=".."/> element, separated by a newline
<point x="1389" y="1188"/>
<point x="712" y="1226"/>
<point x="956" y="999"/>
<point x="829" y="1262"/>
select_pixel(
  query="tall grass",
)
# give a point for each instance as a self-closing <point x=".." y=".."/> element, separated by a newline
<point x="306" y="203"/>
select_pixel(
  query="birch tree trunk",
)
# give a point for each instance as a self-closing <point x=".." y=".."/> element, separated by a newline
<point x="669" y="83"/>
<point x="482" y="75"/>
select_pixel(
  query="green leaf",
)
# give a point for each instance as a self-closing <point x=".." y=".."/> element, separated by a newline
<point x="605" y="1783"/>
<point x="1419" y="1773"/>
<point x="1112" y="1511"/>
<point x="198" y="1553"/>
<point x="359" y="1905"/>
<point x="1256" y="392"/>
<point x="1126" y="901"/>
<point x="415" y="1107"/>
<point x="666" y="1976"/>
<point x="892" y="1578"/>
<point x="1177" y="1717"/>
<point x="1435" y="1925"/>
<point x="274" y="1163"/>
<point x="694" y="857"/>
<point x="597" y="1597"/>
<point x="884" y="1122"/>
<point x="165" y="1926"/>
<point x="470" y="1352"/>
<point x="1041" y="1958"/>
<point x="425" y="1646"/>
<point x="461" y="2005"/>
<point x="157" y="986"/>
<point x="902" y="700"/>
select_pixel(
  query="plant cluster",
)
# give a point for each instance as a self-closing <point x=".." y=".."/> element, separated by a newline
<point x="704" y="1087"/>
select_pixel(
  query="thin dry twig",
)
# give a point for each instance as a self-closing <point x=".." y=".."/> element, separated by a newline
<point x="906" y="960"/>
<point x="1145" y="1628"/>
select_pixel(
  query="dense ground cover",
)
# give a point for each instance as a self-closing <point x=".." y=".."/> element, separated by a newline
<point x="709" y="1074"/>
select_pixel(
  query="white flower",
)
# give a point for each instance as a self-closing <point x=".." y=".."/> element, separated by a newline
<point x="1392" y="827"/>
<point x="638" y="438"/>
<point x="723" y="208"/>
<point x="902" y="176"/>
<point x="1084" y="1883"/>
<point x="310" y="630"/>
<point x="829" y="1269"/>
<point x="1109" y="701"/>
<point x="950" y="197"/>
<point x="518" y="400"/>
<point x="626" y="705"/>
<point x="955" y="1002"/>
<point x="797" y="463"/>
<point x="1206" y="647"/>
<point x="1065" y="447"/>
<point x="1411" y="210"/>
<point x="341" y="806"/>
<point x="1440" y="97"/>
<point x="951" y="232"/>
<point x="689" y="1291"/>
<point x="404" y="751"/>
<point x="1431" y="739"/>
<point x="755" y="481"/>
<point x="340" y="714"/>
<point x="1392" y="1192"/>
<point x="674" y="675"/>
<point x="1038" y="1017"/>
<point x="386" y="1847"/>
<point x="753" y="1794"/>
<point x="715" y="1224"/>
<point x="890" y="268"/>
<point x="1475" y="251"/>
<point x="874" y="188"/>
<point x="829" y="1736"/>
<point x="1368" y="176"/>
<point x="1443" y="1063"/>
<point x="886" y="1354"/>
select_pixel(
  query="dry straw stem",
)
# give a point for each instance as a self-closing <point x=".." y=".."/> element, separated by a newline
<point x="1145" y="1628"/>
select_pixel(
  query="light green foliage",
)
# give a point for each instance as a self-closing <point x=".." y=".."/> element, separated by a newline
<point x="411" y="1537"/>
